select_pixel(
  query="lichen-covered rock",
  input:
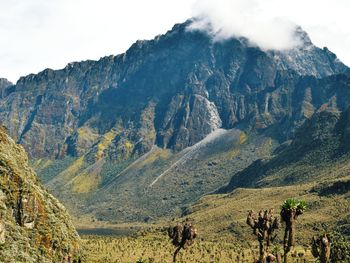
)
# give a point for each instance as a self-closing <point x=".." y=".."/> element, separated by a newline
<point x="34" y="226"/>
<point x="28" y="209"/>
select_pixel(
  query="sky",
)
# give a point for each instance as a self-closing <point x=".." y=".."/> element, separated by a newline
<point x="39" y="34"/>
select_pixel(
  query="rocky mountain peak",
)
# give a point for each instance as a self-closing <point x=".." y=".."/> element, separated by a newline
<point x="303" y="36"/>
<point x="4" y="87"/>
<point x="4" y="82"/>
<point x="170" y="78"/>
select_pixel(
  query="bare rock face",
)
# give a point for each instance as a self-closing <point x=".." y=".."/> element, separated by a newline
<point x="192" y="83"/>
<point x="5" y="87"/>
<point x="34" y="226"/>
<point x="28" y="210"/>
<point x="196" y="117"/>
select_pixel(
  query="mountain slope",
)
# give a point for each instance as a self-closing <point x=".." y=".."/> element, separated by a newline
<point x="314" y="166"/>
<point x="160" y="183"/>
<point x="171" y="91"/>
<point x="123" y="192"/>
<point x="223" y="216"/>
<point x="319" y="151"/>
<point x="34" y="226"/>
<point x="116" y="139"/>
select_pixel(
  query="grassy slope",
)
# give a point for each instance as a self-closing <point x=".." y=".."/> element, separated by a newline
<point x="323" y="214"/>
<point x="223" y="233"/>
<point x="124" y="190"/>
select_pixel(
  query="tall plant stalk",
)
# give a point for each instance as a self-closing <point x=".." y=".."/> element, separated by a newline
<point x="290" y="211"/>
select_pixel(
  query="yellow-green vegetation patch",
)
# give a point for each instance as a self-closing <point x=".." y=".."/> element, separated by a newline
<point x="157" y="154"/>
<point x="233" y="153"/>
<point x="243" y="137"/>
<point x="73" y="169"/>
<point x="89" y="179"/>
<point x="86" y="182"/>
<point x="147" y="119"/>
<point x="128" y="146"/>
<point x="41" y="164"/>
<point x="231" y="211"/>
<point x="105" y="142"/>
<point x="86" y="133"/>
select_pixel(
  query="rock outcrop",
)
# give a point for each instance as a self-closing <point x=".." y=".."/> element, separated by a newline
<point x="34" y="226"/>
<point x="5" y="87"/>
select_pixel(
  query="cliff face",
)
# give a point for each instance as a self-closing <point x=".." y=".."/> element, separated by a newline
<point x="171" y="91"/>
<point x="5" y="87"/>
<point x="34" y="226"/>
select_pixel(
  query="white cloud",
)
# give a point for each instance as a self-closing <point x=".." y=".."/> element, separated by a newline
<point x="245" y="18"/>
<point x="270" y="23"/>
<point x="36" y="34"/>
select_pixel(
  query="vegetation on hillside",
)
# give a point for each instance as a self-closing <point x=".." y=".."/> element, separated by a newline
<point x="224" y="236"/>
<point x="34" y="226"/>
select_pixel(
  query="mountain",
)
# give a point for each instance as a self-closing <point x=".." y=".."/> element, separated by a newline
<point x="171" y="91"/>
<point x="146" y="133"/>
<point x="34" y="226"/>
<point x="5" y="86"/>
<point x="320" y="149"/>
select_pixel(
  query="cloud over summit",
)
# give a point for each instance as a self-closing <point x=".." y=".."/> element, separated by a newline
<point x="251" y="19"/>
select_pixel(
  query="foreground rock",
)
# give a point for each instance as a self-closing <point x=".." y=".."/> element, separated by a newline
<point x="34" y="226"/>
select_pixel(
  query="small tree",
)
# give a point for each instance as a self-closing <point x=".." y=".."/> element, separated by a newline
<point x="290" y="211"/>
<point x="182" y="237"/>
<point x="321" y="248"/>
<point x="264" y="224"/>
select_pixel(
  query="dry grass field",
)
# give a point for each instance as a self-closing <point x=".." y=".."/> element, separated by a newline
<point x="157" y="248"/>
<point x="223" y="233"/>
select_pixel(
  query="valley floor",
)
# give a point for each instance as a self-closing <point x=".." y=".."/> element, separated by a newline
<point x="157" y="248"/>
<point x="223" y="233"/>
